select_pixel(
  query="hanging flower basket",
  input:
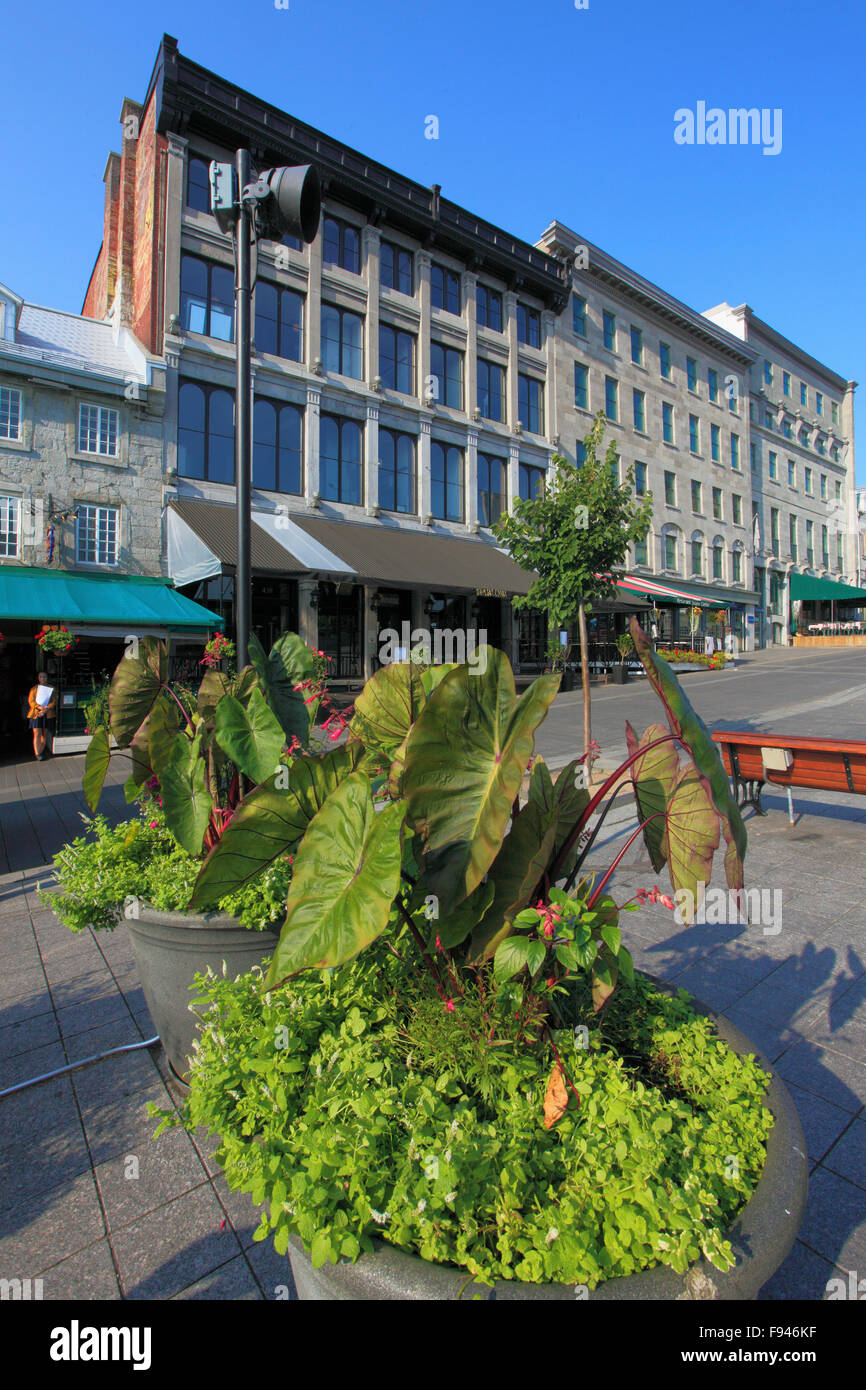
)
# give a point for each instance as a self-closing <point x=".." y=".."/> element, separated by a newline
<point x="55" y="638"/>
<point x="217" y="650"/>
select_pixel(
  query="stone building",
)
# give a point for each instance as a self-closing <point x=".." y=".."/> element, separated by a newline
<point x="81" y="530"/>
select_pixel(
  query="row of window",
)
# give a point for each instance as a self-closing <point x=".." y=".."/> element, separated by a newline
<point x="810" y="540"/>
<point x="96" y="532"/>
<point x="804" y="392"/>
<point x="808" y="477"/>
<point x="639" y="416"/>
<point x="97" y="431"/>
<point x="787" y="431"/>
<point x="698" y="554"/>
<point x="206" y="452"/>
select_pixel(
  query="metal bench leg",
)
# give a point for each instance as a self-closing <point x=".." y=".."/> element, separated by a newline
<point x="790" y="807"/>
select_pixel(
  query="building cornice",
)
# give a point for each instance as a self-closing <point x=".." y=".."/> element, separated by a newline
<point x="778" y="340"/>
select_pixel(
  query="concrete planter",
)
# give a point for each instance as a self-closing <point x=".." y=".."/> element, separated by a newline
<point x="761" y="1236"/>
<point x="170" y="949"/>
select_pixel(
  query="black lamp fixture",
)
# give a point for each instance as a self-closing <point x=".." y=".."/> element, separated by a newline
<point x="279" y="202"/>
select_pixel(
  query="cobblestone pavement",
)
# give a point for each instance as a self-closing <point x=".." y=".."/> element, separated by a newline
<point x="69" y="1216"/>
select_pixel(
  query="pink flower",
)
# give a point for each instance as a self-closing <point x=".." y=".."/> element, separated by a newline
<point x="438" y="944"/>
<point x="667" y="902"/>
<point x="153" y="824"/>
<point x="549" y="930"/>
<point x="449" y="1004"/>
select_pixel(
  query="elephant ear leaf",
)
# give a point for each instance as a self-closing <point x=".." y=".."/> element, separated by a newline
<point x="289" y="662"/>
<point x="517" y="868"/>
<point x="654" y="777"/>
<point x="387" y="708"/>
<point x="96" y="766"/>
<point x="135" y="688"/>
<point x="270" y="822"/>
<point x="345" y="882"/>
<point x="252" y="737"/>
<point x="474" y="733"/>
<point x="186" y="800"/>
<point x="693" y="834"/>
<point x="694" y="735"/>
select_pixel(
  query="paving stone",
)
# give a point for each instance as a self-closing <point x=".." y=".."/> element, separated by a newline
<point x="118" y="1076"/>
<point x="25" y="981"/>
<point x="273" y="1272"/>
<point x="835" y="1222"/>
<point x="28" y="1034"/>
<point x="38" y="1233"/>
<point x="826" y="1073"/>
<point x="174" y="1247"/>
<point x="822" y="1122"/>
<point x="88" y="1275"/>
<point x="239" y="1209"/>
<point x="234" y="1281"/>
<point x="782" y="1007"/>
<point x="119" y="1124"/>
<point x="146" y="1176"/>
<point x="848" y="1155"/>
<point x="768" y="1037"/>
<point x="28" y="1065"/>
<point x="83" y="1018"/>
<point x="804" y="1275"/>
<point x="43" y="1143"/>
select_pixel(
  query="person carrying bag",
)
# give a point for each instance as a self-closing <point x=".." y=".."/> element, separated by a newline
<point x="41" y="709"/>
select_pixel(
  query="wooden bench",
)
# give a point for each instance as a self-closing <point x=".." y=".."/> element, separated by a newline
<point x="830" y="764"/>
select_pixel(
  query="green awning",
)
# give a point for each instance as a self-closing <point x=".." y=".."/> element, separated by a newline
<point x="812" y="589"/>
<point x="66" y="597"/>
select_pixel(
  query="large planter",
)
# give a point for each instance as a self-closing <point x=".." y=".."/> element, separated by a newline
<point x="171" y="948"/>
<point x="761" y="1236"/>
<point x="618" y="675"/>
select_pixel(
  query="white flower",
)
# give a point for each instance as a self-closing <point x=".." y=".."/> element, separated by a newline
<point x="447" y="1155"/>
<point x="551" y="1235"/>
<point x="380" y="1217"/>
<point x="450" y="1196"/>
<point x="318" y="1069"/>
<point x="421" y="1205"/>
<point x="455" y="1128"/>
<point x="413" y="1151"/>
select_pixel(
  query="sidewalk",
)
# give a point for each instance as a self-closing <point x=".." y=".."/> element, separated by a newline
<point x="98" y="1209"/>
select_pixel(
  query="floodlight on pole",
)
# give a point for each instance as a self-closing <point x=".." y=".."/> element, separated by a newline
<point x="279" y="202"/>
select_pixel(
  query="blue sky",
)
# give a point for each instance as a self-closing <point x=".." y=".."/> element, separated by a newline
<point x="545" y="111"/>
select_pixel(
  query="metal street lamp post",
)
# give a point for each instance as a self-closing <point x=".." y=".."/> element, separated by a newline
<point x="280" y="202"/>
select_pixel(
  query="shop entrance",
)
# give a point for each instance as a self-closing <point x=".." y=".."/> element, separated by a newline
<point x="340" y="607"/>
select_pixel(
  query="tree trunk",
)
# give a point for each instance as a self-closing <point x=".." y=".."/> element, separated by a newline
<point x="584" y="675"/>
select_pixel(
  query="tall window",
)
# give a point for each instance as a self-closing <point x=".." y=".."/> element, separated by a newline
<point x="810" y="542"/>
<point x="670" y="552"/>
<point x="713" y="383"/>
<point x="694" y="441"/>
<point x="737" y="509"/>
<point x="97" y="430"/>
<point x="491" y="489"/>
<point x="341" y="245"/>
<point x="530" y="403"/>
<point x="670" y="489"/>
<point x="715" y="443"/>
<point x="717" y="504"/>
<point x="834" y="411"/>
<point x="665" y="360"/>
<point x="96" y="535"/>
<point x="819" y="403"/>
<point x="691" y="374"/>
<point x="396" y="471"/>
<point x="786" y="383"/>
<point x="640" y="553"/>
<point x="824" y="487"/>
<point x="10" y="527"/>
<point x="773" y="467"/>
<point x="640" y="479"/>
<point x="735" y="451"/>
<point x="530" y="481"/>
<point x="614" y="469"/>
<point x="446" y="481"/>
<point x="667" y="422"/>
<point x="697" y="500"/>
<point x="787" y="428"/>
<point x="792" y="473"/>
<point x="608" y="321"/>
<point x="340" y="460"/>
<point x="768" y="373"/>
<point x="774" y="531"/>
<point x="636" y="345"/>
<point x="395" y="268"/>
<point x="397" y="359"/>
<point x="638" y="403"/>
<point x="198" y="184"/>
<point x="737" y="566"/>
<point x="578" y="315"/>
<point x="529" y="325"/>
<point x="277" y="452"/>
<point x="207" y="298"/>
<point x="581" y="386"/>
<point x="445" y="289"/>
<point x="205" y="433"/>
<point x="611" y="398"/>
<point x="825" y="549"/>
<point x="807" y="476"/>
<point x="342" y="339"/>
<point x="491" y="390"/>
<point x="718" y="560"/>
<point x="792" y="536"/>
<point x="446" y="365"/>
<point x="840" y="562"/>
<point x="10" y="413"/>
<point x="580" y="453"/>
<point x="697" y="557"/>
<point x="804" y="393"/>
<point x="488" y="308"/>
<point x="279" y="321"/>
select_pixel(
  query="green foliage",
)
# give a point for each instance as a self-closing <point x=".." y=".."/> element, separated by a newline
<point x="96" y="715"/>
<point x="576" y="533"/>
<point x="98" y="871"/>
<point x="352" y="1105"/>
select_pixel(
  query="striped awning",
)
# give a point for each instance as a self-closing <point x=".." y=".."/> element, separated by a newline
<point x="665" y="593"/>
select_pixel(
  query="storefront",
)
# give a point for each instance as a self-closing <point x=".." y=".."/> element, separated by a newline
<point x="105" y="615"/>
<point x="824" y="607"/>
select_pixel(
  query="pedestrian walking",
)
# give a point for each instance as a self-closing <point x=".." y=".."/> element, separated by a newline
<point x="41" y="709"/>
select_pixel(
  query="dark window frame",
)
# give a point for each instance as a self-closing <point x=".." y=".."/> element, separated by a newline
<point x="398" y="253"/>
<point x="279" y="407"/>
<point x="186" y="296"/>
<point x="490" y="368"/>
<point x="450" y="288"/>
<point x="343" y="346"/>
<point x="281" y="291"/>
<point x="392" y="382"/>
<point x="486" y="495"/>
<point x="444" y="377"/>
<point x="526" y="318"/>
<point x="209" y="390"/>
<point x="194" y="160"/>
<point x="342" y="229"/>
<point x="525" y="405"/>
<point x="486" y="295"/>
<point x="448" y="452"/>
<point x="396" y="436"/>
<point x="343" y="422"/>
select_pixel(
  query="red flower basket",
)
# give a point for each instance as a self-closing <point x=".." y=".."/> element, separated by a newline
<point x="55" y="638"/>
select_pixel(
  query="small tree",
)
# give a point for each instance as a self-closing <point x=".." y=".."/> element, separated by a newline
<point x="572" y="537"/>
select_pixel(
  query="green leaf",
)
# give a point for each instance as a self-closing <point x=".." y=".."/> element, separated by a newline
<point x="185" y="798"/>
<point x="626" y="965"/>
<point x="690" y="727"/>
<point x="346" y="878"/>
<point x="521" y="861"/>
<point x="289" y="662"/>
<point x="431" y="676"/>
<point x="604" y="976"/>
<point x="252" y="737"/>
<point x="456" y="925"/>
<point x="135" y="688"/>
<point x="567" y="799"/>
<point x="569" y="957"/>
<point x="536" y="956"/>
<point x="654" y="777"/>
<point x="511" y="956"/>
<point x="475" y="736"/>
<point x="160" y="733"/>
<point x="387" y="708"/>
<point x="693" y="838"/>
<point x="270" y="821"/>
<point x="131" y="789"/>
<point x="96" y="766"/>
<point x="610" y="935"/>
